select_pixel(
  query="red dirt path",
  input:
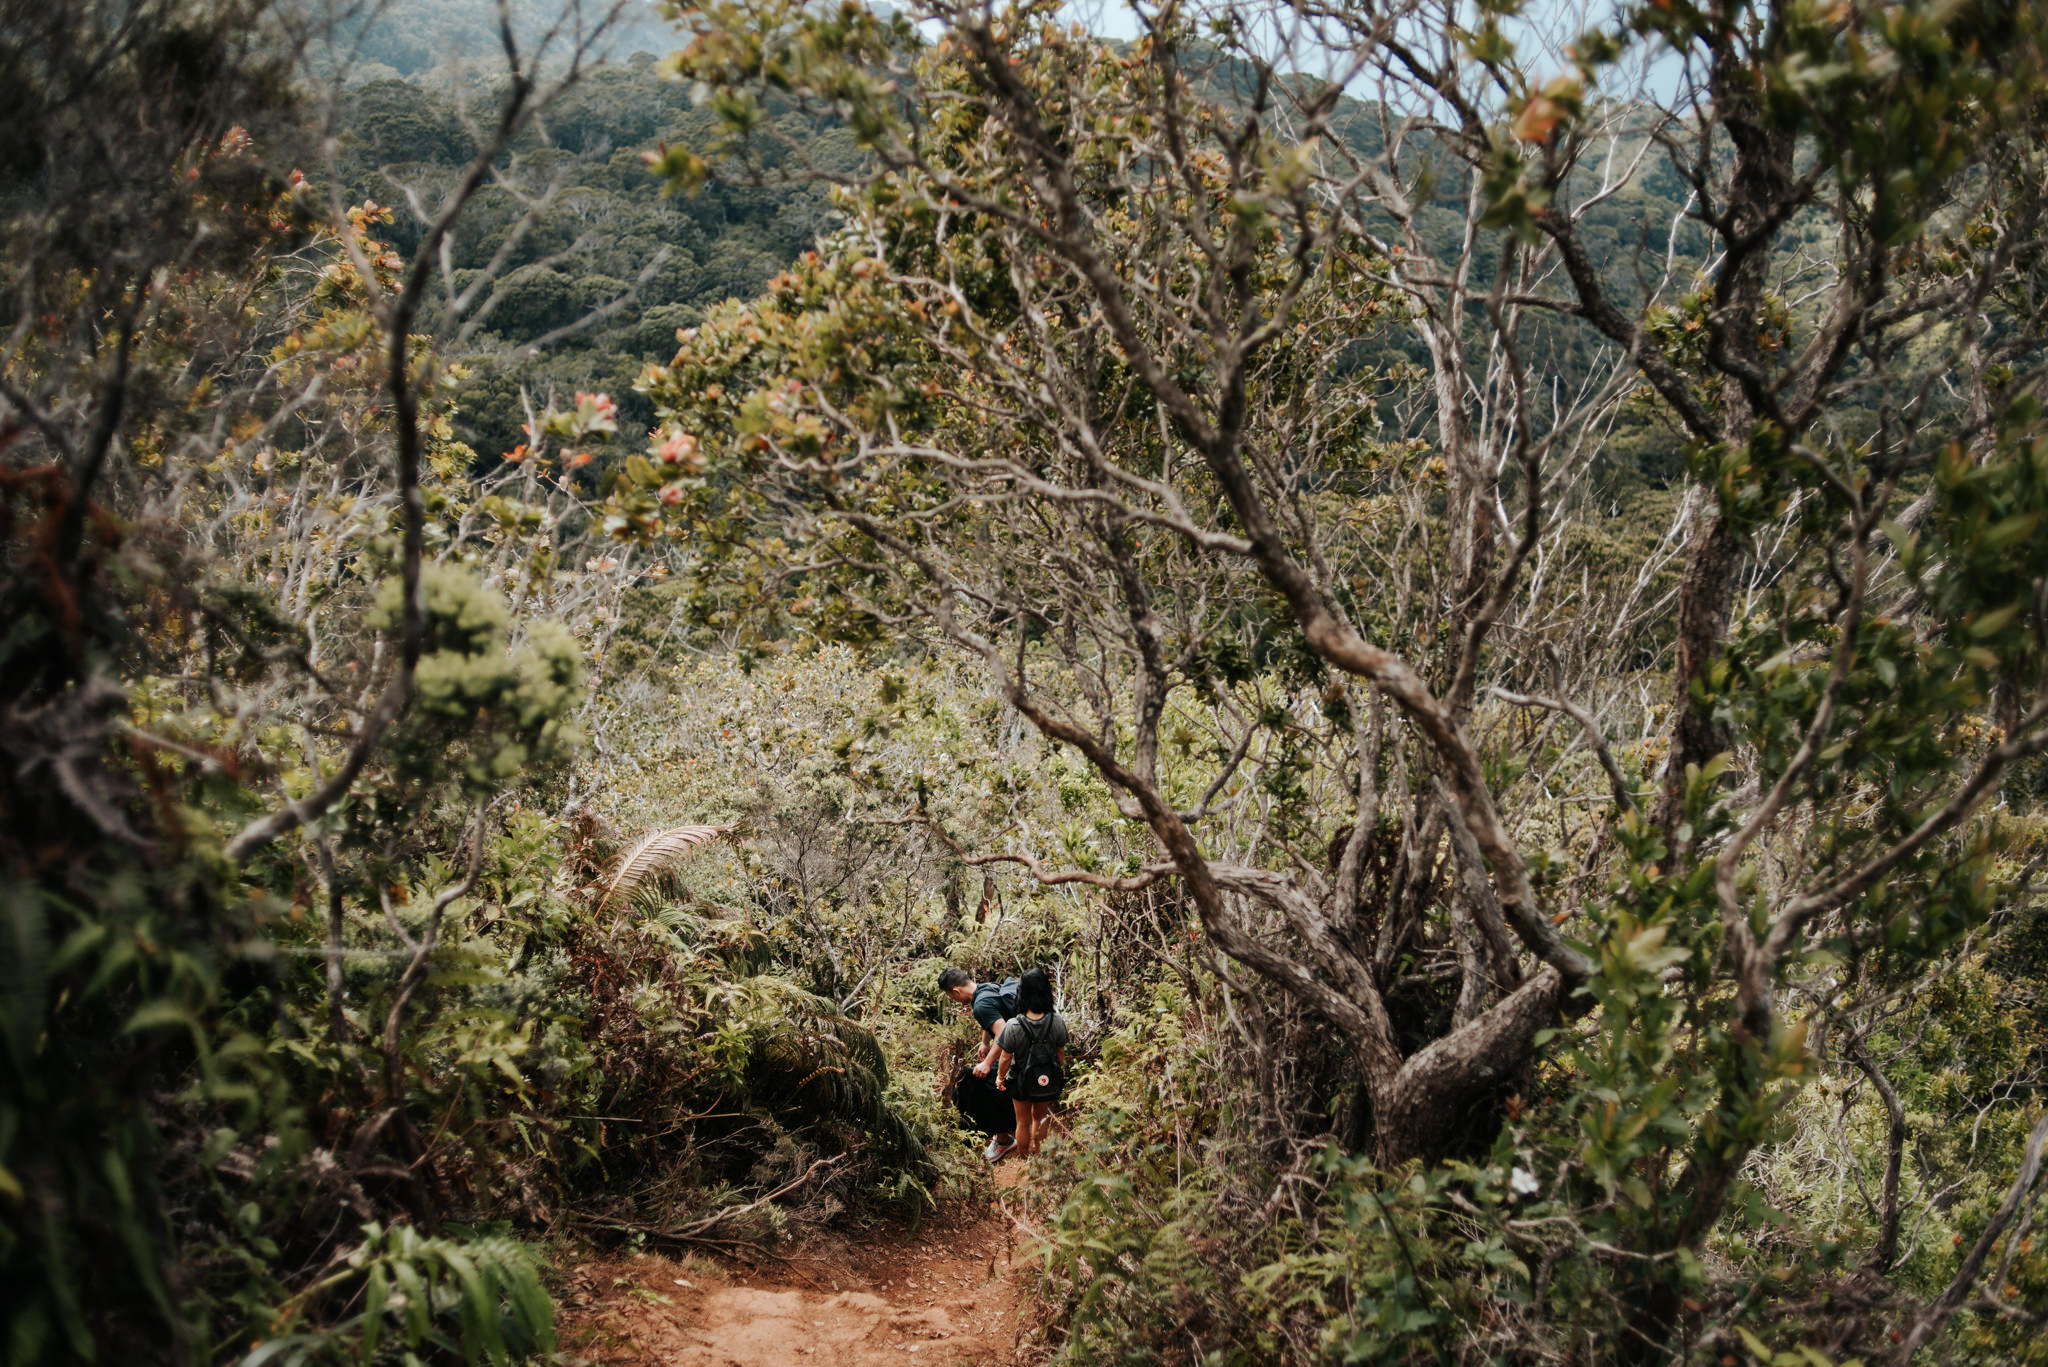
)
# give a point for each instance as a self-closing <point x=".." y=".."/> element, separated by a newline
<point x="943" y="1297"/>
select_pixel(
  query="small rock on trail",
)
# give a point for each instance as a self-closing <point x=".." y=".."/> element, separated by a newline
<point x="943" y="1297"/>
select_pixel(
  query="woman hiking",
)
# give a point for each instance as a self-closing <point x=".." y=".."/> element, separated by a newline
<point x="1031" y="1062"/>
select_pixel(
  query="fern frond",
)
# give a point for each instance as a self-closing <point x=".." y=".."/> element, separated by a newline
<point x="815" y="1066"/>
<point x="653" y="856"/>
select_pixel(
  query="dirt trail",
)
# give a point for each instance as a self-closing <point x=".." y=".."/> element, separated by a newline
<point x="946" y="1297"/>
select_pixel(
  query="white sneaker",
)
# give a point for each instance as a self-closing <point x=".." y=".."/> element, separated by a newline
<point x="998" y="1145"/>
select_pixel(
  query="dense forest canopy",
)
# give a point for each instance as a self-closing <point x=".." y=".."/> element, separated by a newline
<point x="1479" y="604"/>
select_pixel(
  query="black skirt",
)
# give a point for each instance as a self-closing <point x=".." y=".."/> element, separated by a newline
<point x="982" y="1106"/>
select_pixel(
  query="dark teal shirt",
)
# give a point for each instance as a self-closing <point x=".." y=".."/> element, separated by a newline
<point x="987" y="1007"/>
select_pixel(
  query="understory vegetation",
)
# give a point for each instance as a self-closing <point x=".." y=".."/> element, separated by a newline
<point x="1480" y="605"/>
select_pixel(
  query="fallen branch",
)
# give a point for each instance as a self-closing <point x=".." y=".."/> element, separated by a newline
<point x="695" y="1233"/>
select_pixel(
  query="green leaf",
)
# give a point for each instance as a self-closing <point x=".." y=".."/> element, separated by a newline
<point x="159" y="1015"/>
<point x="376" y="1292"/>
<point x="76" y="946"/>
<point x="1900" y="538"/>
<point x="2011" y="531"/>
<point x="270" y="1348"/>
<point x="417" y="1306"/>
<point x="1991" y="623"/>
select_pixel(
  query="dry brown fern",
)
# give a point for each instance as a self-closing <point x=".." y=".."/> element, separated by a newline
<point x="653" y="855"/>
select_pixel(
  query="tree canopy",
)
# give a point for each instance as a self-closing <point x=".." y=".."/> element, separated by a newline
<point x="1100" y="386"/>
<point x="1476" y="599"/>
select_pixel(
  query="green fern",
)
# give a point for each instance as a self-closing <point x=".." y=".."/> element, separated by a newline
<point x="810" y="1063"/>
<point x="481" y="1295"/>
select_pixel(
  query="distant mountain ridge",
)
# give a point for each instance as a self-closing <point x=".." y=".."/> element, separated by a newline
<point x="410" y="38"/>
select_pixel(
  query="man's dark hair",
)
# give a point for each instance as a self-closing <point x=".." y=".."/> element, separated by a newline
<point x="952" y="978"/>
<point x="1034" y="991"/>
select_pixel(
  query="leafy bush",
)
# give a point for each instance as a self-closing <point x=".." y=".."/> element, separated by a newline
<point x="479" y="1296"/>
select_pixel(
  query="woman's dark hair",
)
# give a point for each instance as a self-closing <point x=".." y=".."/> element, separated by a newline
<point x="1034" y="991"/>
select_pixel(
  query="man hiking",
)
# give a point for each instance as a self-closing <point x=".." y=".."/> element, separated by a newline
<point x="992" y="1005"/>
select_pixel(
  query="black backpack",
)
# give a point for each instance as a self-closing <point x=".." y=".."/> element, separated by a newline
<point x="981" y="1105"/>
<point x="1006" y="996"/>
<point x="1036" y="1075"/>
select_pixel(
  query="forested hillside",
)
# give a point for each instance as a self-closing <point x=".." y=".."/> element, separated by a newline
<point x="592" y="285"/>
<point x="1478" y="605"/>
